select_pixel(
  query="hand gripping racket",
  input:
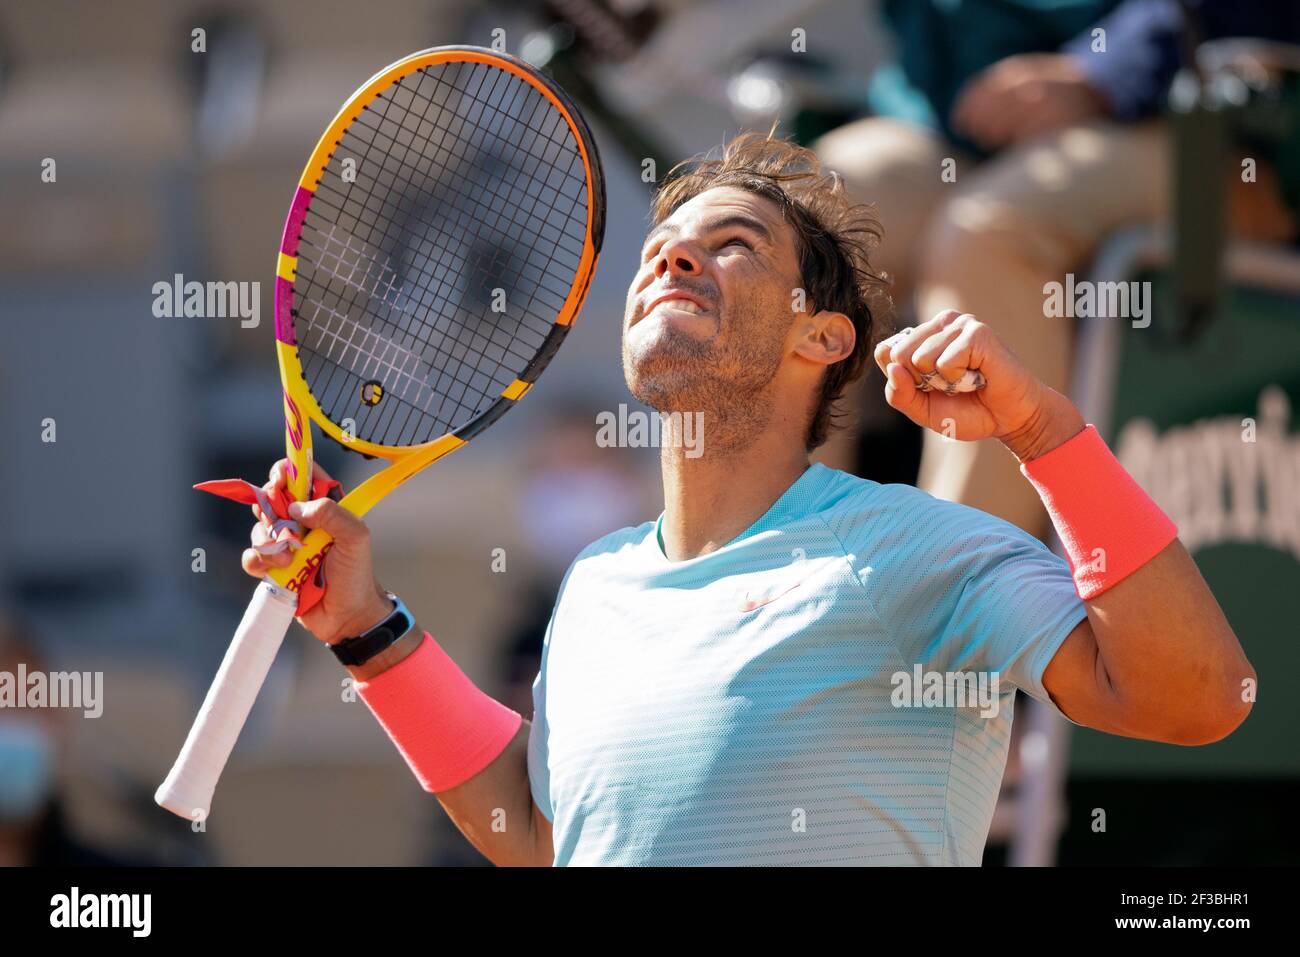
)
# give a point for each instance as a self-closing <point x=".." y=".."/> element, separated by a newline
<point x="438" y="247"/>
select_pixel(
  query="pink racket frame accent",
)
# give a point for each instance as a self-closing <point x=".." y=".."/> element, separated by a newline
<point x="289" y="247"/>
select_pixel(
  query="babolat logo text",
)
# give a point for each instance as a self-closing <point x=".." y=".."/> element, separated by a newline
<point x="208" y="300"/>
<point x="53" y="689"/>
<point x="76" y="909"/>
<point x="946" y="689"/>
<point x="1098" y="300"/>
<point x="639" y="430"/>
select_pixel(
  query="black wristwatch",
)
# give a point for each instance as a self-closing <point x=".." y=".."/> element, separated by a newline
<point x="359" y="650"/>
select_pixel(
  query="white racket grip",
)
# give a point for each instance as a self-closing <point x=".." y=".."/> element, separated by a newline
<point x="187" y="792"/>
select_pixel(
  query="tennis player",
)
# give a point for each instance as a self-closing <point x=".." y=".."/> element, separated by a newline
<point x="792" y="665"/>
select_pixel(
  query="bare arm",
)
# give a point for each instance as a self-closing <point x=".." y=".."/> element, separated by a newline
<point x="1156" y="658"/>
<point x="496" y="813"/>
<point x="494" y="809"/>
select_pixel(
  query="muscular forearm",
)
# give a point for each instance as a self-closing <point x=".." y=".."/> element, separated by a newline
<point x="1155" y="658"/>
<point x="495" y="810"/>
<point x="1158" y="658"/>
<point x="463" y="746"/>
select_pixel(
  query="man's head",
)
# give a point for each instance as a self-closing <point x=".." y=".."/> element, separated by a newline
<point x="754" y="296"/>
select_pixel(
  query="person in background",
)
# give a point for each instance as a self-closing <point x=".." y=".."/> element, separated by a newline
<point x="34" y="829"/>
<point x="1011" y="138"/>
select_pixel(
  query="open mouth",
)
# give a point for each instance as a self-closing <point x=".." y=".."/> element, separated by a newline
<point x="678" y="302"/>
<point x="681" y="305"/>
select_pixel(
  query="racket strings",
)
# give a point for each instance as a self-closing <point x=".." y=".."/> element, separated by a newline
<point x="555" y="120"/>
<point x="575" y="179"/>
<point x="467" y="182"/>
<point x="443" y="387"/>
<point x="459" y="377"/>
<point x="347" y="261"/>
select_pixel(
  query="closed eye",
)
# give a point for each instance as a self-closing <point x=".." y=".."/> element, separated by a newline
<point x="739" y="240"/>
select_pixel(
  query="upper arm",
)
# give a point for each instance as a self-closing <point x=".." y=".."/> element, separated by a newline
<point x="1156" y="660"/>
<point x="1077" y="682"/>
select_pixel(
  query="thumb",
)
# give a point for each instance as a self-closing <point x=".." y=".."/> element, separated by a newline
<point x="332" y="518"/>
<point x="901" y="393"/>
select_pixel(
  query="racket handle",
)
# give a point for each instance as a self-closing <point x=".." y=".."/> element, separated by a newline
<point x="193" y="778"/>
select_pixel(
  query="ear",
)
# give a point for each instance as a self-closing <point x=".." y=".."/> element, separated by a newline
<point x="825" y="337"/>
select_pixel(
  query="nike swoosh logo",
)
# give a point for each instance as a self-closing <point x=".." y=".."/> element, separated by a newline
<point x="751" y="604"/>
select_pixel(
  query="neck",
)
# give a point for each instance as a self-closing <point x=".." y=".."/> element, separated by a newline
<point x="711" y="499"/>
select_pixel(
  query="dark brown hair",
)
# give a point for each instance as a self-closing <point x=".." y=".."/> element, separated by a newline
<point x="833" y="238"/>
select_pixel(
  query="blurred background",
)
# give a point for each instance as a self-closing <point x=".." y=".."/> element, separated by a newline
<point x="1006" y="143"/>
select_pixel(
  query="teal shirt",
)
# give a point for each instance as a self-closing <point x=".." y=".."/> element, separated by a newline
<point x="736" y="708"/>
<point x="943" y="43"/>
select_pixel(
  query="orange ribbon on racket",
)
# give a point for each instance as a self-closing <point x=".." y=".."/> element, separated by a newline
<point x="286" y="532"/>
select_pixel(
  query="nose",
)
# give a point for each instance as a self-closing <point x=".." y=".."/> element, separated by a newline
<point x="677" y="257"/>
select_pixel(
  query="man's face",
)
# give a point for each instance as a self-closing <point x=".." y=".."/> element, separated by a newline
<point x="709" y="309"/>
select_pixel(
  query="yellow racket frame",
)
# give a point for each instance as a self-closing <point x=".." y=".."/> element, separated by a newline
<point x="301" y="408"/>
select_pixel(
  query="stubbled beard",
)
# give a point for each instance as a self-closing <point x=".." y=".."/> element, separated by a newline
<point x="731" y="384"/>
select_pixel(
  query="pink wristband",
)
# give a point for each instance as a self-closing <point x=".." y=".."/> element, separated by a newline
<point x="446" y="728"/>
<point x="1110" y="527"/>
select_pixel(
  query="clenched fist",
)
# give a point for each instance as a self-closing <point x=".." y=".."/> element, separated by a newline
<point x="1010" y="403"/>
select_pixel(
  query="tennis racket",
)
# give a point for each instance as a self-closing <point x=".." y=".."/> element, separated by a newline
<point x="438" y="248"/>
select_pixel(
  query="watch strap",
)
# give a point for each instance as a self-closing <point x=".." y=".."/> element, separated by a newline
<point x="357" y="651"/>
